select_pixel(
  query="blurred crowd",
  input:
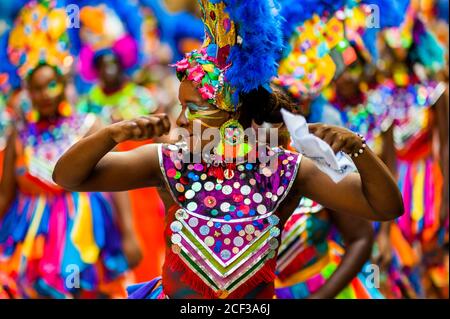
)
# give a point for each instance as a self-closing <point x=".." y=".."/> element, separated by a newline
<point x="60" y="82"/>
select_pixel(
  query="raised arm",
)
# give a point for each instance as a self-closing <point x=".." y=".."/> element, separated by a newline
<point x="358" y="236"/>
<point x="371" y="194"/>
<point x="8" y="177"/>
<point x="90" y="165"/>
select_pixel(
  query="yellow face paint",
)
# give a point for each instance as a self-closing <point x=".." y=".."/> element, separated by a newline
<point x="54" y="89"/>
<point x="200" y="114"/>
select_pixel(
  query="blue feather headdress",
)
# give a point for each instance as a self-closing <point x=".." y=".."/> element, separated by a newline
<point x="243" y="42"/>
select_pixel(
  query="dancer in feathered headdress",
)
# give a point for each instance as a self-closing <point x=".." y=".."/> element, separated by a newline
<point x="226" y="205"/>
<point x="109" y="45"/>
<point x="312" y="264"/>
<point x="48" y="234"/>
<point x="414" y="59"/>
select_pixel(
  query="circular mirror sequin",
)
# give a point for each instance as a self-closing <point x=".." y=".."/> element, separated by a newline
<point x="238" y="241"/>
<point x="267" y="172"/>
<point x="225" y="254"/>
<point x="196" y="187"/>
<point x="228" y="174"/>
<point x="176" y="239"/>
<point x="280" y="190"/>
<point x="193" y="222"/>
<point x="179" y="187"/>
<point x="209" y="186"/>
<point x="257" y="198"/>
<point x="245" y="190"/>
<point x="274" y="220"/>
<point x="209" y="241"/>
<point x="261" y="209"/>
<point x="176" y="226"/>
<point x="227" y="190"/>
<point x="273" y="243"/>
<point x="247" y="201"/>
<point x="275" y="232"/>
<point x="176" y="249"/>
<point x="204" y="230"/>
<point x="189" y="194"/>
<point x="225" y="207"/>
<point x="226" y="229"/>
<point x="249" y="229"/>
<point x="192" y="206"/>
<point x="181" y="214"/>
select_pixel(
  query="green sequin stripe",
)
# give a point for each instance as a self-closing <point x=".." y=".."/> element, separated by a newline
<point x="243" y="278"/>
<point x="198" y="270"/>
<point x="293" y="233"/>
<point x="249" y="273"/>
<point x="211" y="258"/>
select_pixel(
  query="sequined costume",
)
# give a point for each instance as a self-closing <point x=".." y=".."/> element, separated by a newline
<point x="53" y="243"/>
<point x="223" y="232"/>
<point x="128" y="103"/>
<point x="308" y="257"/>
<point x="115" y="28"/>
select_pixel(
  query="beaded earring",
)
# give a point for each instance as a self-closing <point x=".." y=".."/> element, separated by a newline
<point x="232" y="140"/>
<point x="33" y="116"/>
<point x="64" y="109"/>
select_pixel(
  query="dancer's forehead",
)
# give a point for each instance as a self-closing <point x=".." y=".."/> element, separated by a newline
<point x="42" y="75"/>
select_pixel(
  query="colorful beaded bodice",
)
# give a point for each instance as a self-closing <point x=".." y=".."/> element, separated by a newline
<point x="225" y="230"/>
<point x="42" y="144"/>
<point x="130" y="102"/>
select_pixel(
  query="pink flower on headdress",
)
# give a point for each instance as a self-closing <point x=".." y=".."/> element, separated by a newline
<point x="182" y="65"/>
<point x="196" y="73"/>
<point x="207" y="91"/>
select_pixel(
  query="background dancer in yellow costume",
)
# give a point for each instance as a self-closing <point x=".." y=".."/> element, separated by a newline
<point x="54" y="243"/>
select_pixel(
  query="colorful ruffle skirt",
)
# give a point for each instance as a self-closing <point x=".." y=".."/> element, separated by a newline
<point x="65" y="245"/>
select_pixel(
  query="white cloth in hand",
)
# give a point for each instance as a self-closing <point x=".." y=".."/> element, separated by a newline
<point x="336" y="166"/>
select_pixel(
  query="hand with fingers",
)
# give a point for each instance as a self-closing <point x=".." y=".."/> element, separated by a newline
<point x="339" y="138"/>
<point x="141" y="128"/>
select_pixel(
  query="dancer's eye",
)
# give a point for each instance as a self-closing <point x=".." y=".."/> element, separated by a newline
<point x="195" y="107"/>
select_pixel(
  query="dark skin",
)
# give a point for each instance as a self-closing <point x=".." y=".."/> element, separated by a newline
<point x="358" y="237"/>
<point x="440" y="128"/>
<point x="110" y="73"/>
<point x="348" y="87"/>
<point x="46" y="91"/>
<point x="100" y="170"/>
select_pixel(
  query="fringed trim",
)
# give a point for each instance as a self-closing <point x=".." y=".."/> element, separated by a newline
<point x="190" y="278"/>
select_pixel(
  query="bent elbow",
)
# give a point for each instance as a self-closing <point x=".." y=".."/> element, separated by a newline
<point x="60" y="180"/>
<point x="396" y="211"/>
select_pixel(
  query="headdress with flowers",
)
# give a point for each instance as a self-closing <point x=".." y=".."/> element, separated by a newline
<point x="313" y="29"/>
<point x="426" y="49"/>
<point x="39" y="35"/>
<point x="242" y="44"/>
<point x="107" y="27"/>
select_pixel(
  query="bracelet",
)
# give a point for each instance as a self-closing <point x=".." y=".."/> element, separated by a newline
<point x="362" y="149"/>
